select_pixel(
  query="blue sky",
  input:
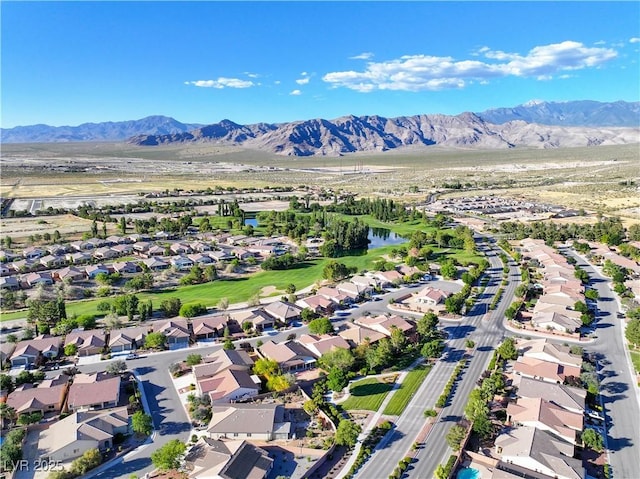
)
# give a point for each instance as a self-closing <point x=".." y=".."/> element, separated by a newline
<point x="200" y="62"/>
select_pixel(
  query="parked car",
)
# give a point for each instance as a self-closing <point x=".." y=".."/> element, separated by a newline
<point x="132" y="356"/>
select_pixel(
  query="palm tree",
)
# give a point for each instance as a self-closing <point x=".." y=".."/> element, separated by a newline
<point x="7" y="413"/>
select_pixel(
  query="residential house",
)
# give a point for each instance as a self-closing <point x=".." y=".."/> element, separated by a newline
<point x="82" y="245"/>
<point x="78" y="258"/>
<point x="284" y="312"/>
<point x="46" y="397"/>
<point x="33" y="351"/>
<point x="58" y="249"/>
<point x="115" y="240"/>
<point x="215" y="459"/>
<point x="545" y="370"/>
<point x="127" y="339"/>
<point x="229" y="385"/>
<point x="70" y="274"/>
<point x="358" y="335"/>
<point x="125" y="267"/>
<point x="557" y="321"/>
<point x="181" y="263"/>
<point x="33" y="253"/>
<point x="317" y="303"/>
<point x="385" y="323"/>
<point x="122" y="249"/>
<point x="34" y="279"/>
<point x="156" y="250"/>
<point x="260" y="422"/>
<point x="141" y="247"/>
<point x="96" y="243"/>
<point x="200" y="259"/>
<point x="538" y="451"/>
<point x="389" y="278"/>
<point x="431" y="296"/>
<point x="336" y="296"/>
<point x="93" y="391"/>
<point x="221" y="360"/>
<point x="88" y="342"/>
<point x="366" y="281"/>
<point x="290" y="355"/>
<point x="81" y="431"/>
<point x="95" y="269"/>
<point x="320" y="345"/>
<point x="545" y="350"/>
<point x="542" y="414"/>
<point x="155" y="264"/>
<point x="200" y="246"/>
<point x="357" y="291"/>
<point x="180" y="248"/>
<point x="105" y="252"/>
<point x="221" y="255"/>
<point x="242" y="254"/>
<point x="10" y="283"/>
<point x="176" y="331"/>
<point x="209" y="327"/>
<point x="257" y="317"/>
<point x="50" y="261"/>
<point x="6" y="350"/>
<point x="5" y="270"/>
<point x="566" y="397"/>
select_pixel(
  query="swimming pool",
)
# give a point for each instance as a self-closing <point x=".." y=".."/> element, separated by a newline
<point x="468" y="473"/>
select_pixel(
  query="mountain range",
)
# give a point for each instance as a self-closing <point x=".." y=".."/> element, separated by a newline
<point x="534" y="124"/>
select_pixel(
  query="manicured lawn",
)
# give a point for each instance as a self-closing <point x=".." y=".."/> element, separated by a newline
<point x="635" y="358"/>
<point x="410" y="385"/>
<point x="367" y="394"/>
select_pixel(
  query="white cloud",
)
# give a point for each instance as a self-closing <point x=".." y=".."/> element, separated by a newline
<point x="634" y="40"/>
<point x="277" y="82"/>
<point x="252" y="75"/>
<point x="295" y="93"/>
<point x="222" y="82"/>
<point x="302" y="81"/>
<point x="362" y="56"/>
<point x="425" y="72"/>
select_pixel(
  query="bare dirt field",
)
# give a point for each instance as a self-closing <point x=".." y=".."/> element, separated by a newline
<point x="594" y="178"/>
<point x="65" y="224"/>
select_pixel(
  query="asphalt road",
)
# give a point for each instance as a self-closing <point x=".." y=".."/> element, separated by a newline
<point x="617" y="388"/>
<point x="485" y="328"/>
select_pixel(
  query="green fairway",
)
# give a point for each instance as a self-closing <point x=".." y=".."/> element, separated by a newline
<point x="235" y="290"/>
<point x="367" y="394"/>
<point x="410" y="385"/>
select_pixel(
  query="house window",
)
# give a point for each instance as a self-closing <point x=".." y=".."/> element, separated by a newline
<point x="235" y="434"/>
<point x="248" y="434"/>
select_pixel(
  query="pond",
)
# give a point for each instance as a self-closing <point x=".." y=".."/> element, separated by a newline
<point x="251" y="221"/>
<point x="384" y="237"/>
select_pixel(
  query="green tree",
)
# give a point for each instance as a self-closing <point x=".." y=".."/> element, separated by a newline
<point x="141" y="423"/>
<point x="70" y="349"/>
<point x="427" y="326"/>
<point x="334" y="271"/>
<point x="6" y="383"/>
<point x="89" y="460"/>
<point x="170" y="307"/>
<point x="398" y="339"/>
<point x="432" y="349"/>
<point x="593" y="440"/>
<point x="193" y="359"/>
<point x="455" y="436"/>
<point x="347" y="433"/>
<point x="340" y="358"/>
<point x="507" y="350"/>
<point x="320" y="326"/>
<point x="448" y="270"/>
<point x="228" y="345"/>
<point x="266" y="367"/>
<point x="155" y="340"/>
<point x="337" y="379"/>
<point x="117" y="367"/>
<point x="168" y="456"/>
<point x="632" y="332"/>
